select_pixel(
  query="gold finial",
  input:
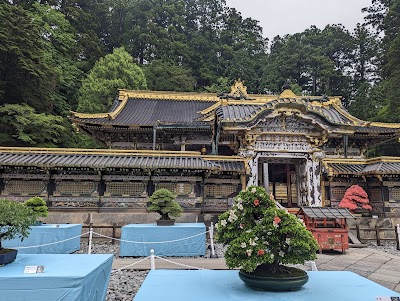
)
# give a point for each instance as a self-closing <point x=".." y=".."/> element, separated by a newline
<point x="238" y="90"/>
<point x="287" y="91"/>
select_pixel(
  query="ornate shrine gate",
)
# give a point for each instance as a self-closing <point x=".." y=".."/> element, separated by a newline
<point x="285" y="159"/>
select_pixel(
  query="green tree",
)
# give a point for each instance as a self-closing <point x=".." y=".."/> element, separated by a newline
<point x="163" y="202"/>
<point x="38" y="206"/>
<point x="22" y="126"/>
<point x="222" y="85"/>
<point x="24" y="73"/>
<point x="89" y="18"/>
<point x="317" y="60"/>
<point x="62" y="56"/>
<point x="15" y="220"/>
<point x="165" y="76"/>
<point x="114" y="71"/>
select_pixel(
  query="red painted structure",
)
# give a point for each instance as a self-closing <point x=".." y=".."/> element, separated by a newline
<point x="328" y="226"/>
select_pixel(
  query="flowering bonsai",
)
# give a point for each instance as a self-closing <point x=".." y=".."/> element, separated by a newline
<point x="355" y="199"/>
<point x="15" y="220"/>
<point x="163" y="202"/>
<point x="262" y="238"/>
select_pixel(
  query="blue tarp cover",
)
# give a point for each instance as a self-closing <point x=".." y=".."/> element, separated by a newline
<point x="181" y="285"/>
<point x="66" y="277"/>
<point x="45" y="234"/>
<point x="194" y="246"/>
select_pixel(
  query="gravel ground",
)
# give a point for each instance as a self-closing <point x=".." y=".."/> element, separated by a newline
<point x="124" y="284"/>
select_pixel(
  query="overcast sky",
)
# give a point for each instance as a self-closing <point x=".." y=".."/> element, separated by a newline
<point x="280" y="17"/>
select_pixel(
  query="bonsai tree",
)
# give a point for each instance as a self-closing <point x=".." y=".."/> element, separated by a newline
<point x="38" y="206"/>
<point x="15" y="220"/>
<point x="355" y="198"/>
<point x="262" y="238"/>
<point x="163" y="202"/>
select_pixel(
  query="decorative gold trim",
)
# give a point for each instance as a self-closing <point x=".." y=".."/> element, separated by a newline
<point x="167" y="95"/>
<point x="239" y="90"/>
<point x="210" y="108"/>
<point x="79" y="151"/>
<point x="287" y="93"/>
<point x="89" y="115"/>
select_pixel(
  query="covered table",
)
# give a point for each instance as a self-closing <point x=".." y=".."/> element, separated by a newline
<point x="47" y="235"/>
<point x="181" y="239"/>
<point x="181" y="285"/>
<point x="66" y="277"/>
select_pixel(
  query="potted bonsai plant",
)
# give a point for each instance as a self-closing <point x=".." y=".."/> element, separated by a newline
<point x="15" y="220"/>
<point x="262" y="239"/>
<point x="163" y="202"/>
<point x="356" y="200"/>
<point x="39" y="208"/>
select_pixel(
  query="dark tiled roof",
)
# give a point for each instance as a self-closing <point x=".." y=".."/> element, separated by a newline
<point x="238" y="112"/>
<point x="98" y="161"/>
<point x="326" y="212"/>
<point x="375" y="129"/>
<point x="230" y="165"/>
<point x="147" y="112"/>
<point x="241" y="112"/>
<point x="373" y="168"/>
<point x="383" y="167"/>
<point x="347" y="168"/>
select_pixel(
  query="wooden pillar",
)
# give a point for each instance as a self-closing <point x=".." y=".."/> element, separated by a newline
<point x="266" y="177"/>
<point x="288" y="186"/>
<point x="243" y="180"/>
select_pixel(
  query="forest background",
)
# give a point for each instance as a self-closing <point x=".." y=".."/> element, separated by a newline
<point x="63" y="55"/>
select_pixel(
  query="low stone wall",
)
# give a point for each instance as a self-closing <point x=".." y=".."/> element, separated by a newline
<point x="371" y="223"/>
<point x="109" y="218"/>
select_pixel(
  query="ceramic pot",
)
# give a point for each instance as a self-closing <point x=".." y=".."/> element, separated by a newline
<point x="165" y="222"/>
<point x="271" y="283"/>
<point x="8" y="256"/>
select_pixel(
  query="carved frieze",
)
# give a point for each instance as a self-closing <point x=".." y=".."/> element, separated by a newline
<point x="289" y="124"/>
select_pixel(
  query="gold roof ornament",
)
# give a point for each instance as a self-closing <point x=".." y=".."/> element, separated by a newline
<point x="239" y="90"/>
<point x="287" y="91"/>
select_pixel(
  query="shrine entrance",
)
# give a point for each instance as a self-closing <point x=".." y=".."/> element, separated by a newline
<point x="283" y="180"/>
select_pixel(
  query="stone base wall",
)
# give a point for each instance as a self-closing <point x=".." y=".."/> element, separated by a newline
<point x="371" y="223"/>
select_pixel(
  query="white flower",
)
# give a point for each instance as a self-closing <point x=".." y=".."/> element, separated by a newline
<point x="248" y="252"/>
<point x="256" y="238"/>
<point x="252" y="242"/>
<point x="281" y="253"/>
<point x="276" y="225"/>
<point x="223" y="223"/>
<point x="271" y="196"/>
<point x="239" y="200"/>
<point x="253" y="190"/>
<point x="269" y="233"/>
<point x="232" y="216"/>
<point x="272" y="256"/>
<point x="288" y="240"/>
<point x="243" y="245"/>
<point x="240" y="206"/>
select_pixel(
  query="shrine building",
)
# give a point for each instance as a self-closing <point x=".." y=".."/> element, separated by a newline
<point x="306" y="150"/>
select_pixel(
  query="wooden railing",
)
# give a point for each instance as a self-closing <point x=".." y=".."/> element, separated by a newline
<point x="114" y="228"/>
